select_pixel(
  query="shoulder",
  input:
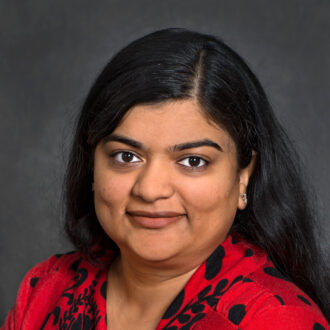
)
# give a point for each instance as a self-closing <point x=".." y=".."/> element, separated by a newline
<point x="59" y="266"/>
<point x="266" y="299"/>
<point x="44" y="284"/>
<point x="64" y="267"/>
<point x="238" y="287"/>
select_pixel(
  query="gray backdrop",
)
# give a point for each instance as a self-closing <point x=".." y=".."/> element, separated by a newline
<point x="51" y="51"/>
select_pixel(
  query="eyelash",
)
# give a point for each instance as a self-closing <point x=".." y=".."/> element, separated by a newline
<point x="205" y="163"/>
<point x="121" y="153"/>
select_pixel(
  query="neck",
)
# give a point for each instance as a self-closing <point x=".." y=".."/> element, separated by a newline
<point x="145" y="287"/>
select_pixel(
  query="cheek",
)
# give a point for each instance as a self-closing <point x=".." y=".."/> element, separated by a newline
<point x="218" y="194"/>
<point x="110" y="196"/>
<point x="110" y="192"/>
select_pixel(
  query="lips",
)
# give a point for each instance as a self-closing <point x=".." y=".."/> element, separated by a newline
<point x="154" y="220"/>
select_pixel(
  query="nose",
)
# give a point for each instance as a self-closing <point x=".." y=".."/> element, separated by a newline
<point x="153" y="182"/>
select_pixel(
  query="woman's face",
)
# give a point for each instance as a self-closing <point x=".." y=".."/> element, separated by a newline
<point x="166" y="183"/>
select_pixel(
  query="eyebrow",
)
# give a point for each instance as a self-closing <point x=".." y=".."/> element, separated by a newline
<point x="124" y="140"/>
<point x="176" y="147"/>
<point x="196" y="144"/>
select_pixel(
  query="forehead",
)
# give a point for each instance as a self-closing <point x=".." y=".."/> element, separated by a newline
<point x="170" y="123"/>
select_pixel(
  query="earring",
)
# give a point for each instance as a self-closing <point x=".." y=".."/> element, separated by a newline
<point x="244" y="197"/>
<point x="93" y="186"/>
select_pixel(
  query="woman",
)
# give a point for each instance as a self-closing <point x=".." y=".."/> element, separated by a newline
<point x="184" y="202"/>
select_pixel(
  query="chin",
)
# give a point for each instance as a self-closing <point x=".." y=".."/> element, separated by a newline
<point x="154" y="251"/>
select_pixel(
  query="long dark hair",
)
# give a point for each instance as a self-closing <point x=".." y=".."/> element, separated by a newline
<point x="176" y="64"/>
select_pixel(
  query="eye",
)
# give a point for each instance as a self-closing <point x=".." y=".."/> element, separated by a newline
<point x="193" y="162"/>
<point x="125" y="157"/>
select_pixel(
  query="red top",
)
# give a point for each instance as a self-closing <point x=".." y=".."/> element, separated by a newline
<point x="237" y="287"/>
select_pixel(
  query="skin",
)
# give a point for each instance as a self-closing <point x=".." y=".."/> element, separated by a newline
<point x="202" y="185"/>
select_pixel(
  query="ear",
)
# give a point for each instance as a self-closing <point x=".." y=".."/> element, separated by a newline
<point x="244" y="177"/>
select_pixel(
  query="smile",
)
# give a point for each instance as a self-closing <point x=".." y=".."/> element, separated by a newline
<point x="154" y="220"/>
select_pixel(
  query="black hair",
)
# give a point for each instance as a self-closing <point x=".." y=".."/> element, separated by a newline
<point x="177" y="64"/>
